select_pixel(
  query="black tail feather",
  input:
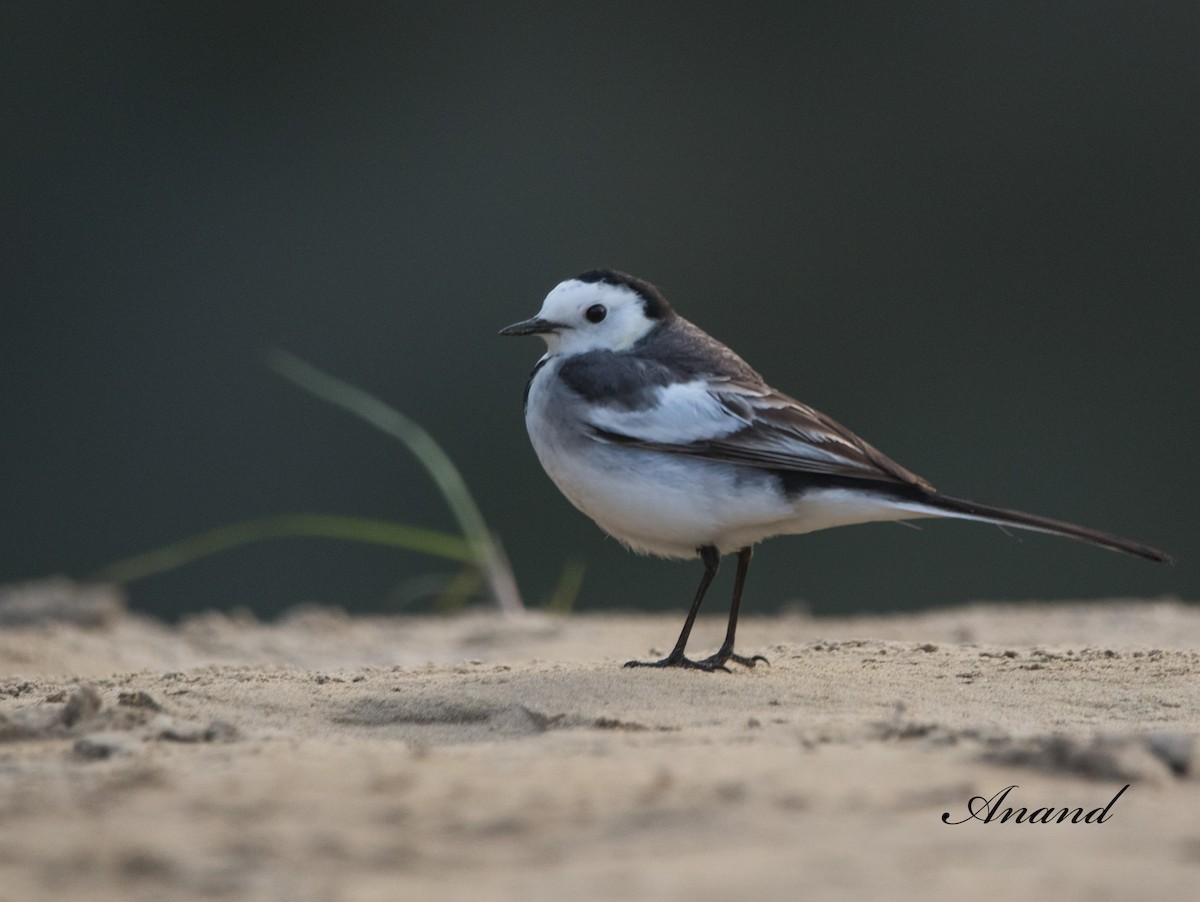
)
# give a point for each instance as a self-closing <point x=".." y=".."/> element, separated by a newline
<point x="1003" y="516"/>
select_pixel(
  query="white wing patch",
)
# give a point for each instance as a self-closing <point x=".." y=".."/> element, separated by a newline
<point x="683" y="412"/>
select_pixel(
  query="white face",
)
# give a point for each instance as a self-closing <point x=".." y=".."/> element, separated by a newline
<point x="593" y="316"/>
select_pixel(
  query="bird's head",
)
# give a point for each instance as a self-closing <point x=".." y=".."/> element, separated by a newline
<point x="601" y="310"/>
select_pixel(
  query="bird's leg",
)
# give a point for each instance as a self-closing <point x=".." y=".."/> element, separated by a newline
<point x="712" y="560"/>
<point x="725" y="653"/>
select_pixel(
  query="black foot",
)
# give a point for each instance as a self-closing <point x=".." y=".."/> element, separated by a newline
<point x="721" y="658"/>
<point x="708" y="665"/>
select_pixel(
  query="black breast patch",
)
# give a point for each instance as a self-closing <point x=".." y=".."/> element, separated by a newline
<point x="616" y="379"/>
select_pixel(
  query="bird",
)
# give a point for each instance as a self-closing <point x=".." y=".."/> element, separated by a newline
<point x="675" y="446"/>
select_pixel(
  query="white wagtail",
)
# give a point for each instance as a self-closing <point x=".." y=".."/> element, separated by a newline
<point x="672" y="444"/>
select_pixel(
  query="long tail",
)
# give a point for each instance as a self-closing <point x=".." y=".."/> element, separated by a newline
<point x="945" y="506"/>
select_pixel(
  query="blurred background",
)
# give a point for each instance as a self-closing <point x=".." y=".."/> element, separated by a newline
<point x="969" y="231"/>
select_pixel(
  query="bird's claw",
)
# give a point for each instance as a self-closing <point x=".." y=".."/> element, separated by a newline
<point x="708" y="665"/>
<point x="720" y="659"/>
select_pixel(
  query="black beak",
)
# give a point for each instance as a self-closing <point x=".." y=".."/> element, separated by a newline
<point x="535" y="326"/>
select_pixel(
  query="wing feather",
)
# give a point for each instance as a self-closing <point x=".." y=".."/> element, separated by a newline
<point x="748" y="424"/>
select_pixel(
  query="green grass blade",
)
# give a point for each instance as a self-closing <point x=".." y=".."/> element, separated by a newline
<point x="569" y="583"/>
<point x="488" y="554"/>
<point x="223" y="538"/>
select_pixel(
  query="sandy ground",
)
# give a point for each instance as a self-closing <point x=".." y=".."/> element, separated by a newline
<point x="333" y="758"/>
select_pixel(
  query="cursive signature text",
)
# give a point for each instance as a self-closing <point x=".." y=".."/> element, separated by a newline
<point x="988" y="810"/>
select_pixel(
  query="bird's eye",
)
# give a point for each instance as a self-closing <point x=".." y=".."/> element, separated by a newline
<point x="596" y="313"/>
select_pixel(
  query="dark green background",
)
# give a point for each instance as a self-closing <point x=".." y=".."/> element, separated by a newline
<point x="970" y="231"/>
